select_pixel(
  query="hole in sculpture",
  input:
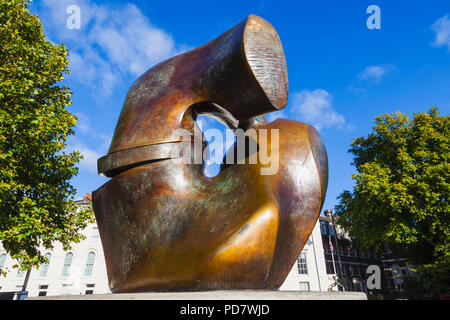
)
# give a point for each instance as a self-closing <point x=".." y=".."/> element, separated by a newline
<point x="219" y="138"/>
<point x="225" y="143"/>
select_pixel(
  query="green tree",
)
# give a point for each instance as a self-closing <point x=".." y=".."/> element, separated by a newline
<point x="37" y="205"/>
<point x="399" y="199"/>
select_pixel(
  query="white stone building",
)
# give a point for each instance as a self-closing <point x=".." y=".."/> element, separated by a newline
<point x="82" y="270"/>
<point x="309" y="272"/>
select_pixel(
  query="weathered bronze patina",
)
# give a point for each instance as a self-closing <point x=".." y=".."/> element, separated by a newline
<point x="164" y="225"/>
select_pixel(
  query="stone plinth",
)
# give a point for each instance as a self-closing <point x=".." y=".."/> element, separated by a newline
<point x="217" y="295"/>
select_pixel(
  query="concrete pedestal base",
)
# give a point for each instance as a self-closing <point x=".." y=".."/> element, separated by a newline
<point x="217" y="295"/>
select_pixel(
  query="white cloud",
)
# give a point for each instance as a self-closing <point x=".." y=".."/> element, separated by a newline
<point x="114" y="41"/>
<point x="312" y="107"/>
<point x="89" y="161"/>
<point x="89" y="68"/>
<point x="442" y="29"/>
<point x="375" y="72"/>
<point x="84" y="128"/>
<point x="90" y="157"/>
<point x="315" y="107"/>
<point x="130" y="41"/>
<point x="101" y="141"/>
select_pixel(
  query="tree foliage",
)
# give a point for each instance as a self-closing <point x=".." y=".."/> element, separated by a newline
<point x="36" y="198"/>
<point x="402" y="185"/>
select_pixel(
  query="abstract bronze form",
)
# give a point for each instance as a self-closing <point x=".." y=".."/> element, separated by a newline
<point x="164" y="225"/>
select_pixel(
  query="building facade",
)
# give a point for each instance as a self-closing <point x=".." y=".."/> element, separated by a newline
<point x="343" y="259"/>
<point x="309" y="272"/>
<point x="81" y="270"/>
<point x="350" y="264"/>
<point x="394" y="271"/>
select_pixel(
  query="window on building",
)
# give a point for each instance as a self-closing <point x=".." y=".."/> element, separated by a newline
<point x="330" y="269"/>
<point x="43" y="290"/>
<point x="89" y="264"/>
<point x="358" y="270"/>
<point x="44" y="267"/>
<point x="357" y="286"/>
<point x="345" y="269"/>
<point x="95" y="236"/>
<point x="344" y="251"/>
<point x="324" y="227"/>
<point x="355" y="270"/>
<point x="304" y="286"/>
<point x="2" y="261"/>
<point x="351" y="251"/>
<point x="301" y="264"/>
<point x="67" y="264"/>
<point x="89" y="289"/>
<point x="330" y="229"/>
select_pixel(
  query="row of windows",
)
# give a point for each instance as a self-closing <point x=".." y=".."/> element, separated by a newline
<point x="347" y="269"/>
<point x="346" y="251"/>
<point x="68" y="264"/>
<point x="66" y="289"/>
<point x="326" y="228"/>
<point x="66" y="268"/>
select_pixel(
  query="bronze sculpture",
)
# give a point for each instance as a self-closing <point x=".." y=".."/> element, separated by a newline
<point x="164" y="225"/>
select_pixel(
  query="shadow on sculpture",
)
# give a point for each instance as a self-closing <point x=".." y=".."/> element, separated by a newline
<point x="164" y="225"/>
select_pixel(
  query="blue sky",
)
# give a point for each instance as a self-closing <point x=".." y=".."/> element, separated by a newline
<point x="341" y="74"/>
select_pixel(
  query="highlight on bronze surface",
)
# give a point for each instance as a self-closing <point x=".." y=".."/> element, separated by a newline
<point x="164" y="225"/>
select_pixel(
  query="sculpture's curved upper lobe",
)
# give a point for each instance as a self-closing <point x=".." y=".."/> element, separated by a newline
<point x="163" y="224"/>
